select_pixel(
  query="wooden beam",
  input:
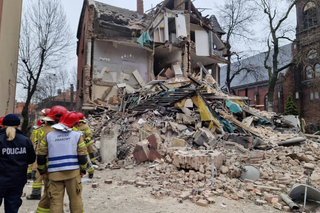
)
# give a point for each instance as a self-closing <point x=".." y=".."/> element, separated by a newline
<point x="160" y="9"/>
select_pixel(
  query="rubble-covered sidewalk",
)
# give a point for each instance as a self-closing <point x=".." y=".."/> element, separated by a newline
<point x="199" y="143"/>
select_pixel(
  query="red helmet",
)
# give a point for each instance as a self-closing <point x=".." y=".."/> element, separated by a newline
<point x="39" y="123"/>
<point x="55" y="113"/>
<point x="1" y="119"/>
<point x="70" y="119"/>
<point x="81" y="117"/>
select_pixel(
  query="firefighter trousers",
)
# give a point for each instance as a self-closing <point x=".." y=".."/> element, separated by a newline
<point x="37" y="184"/>
<point x="56" y="194"/>
<point x="44" y="204"/>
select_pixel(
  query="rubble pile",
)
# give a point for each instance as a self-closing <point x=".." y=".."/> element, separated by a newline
<point x="198" y="140"/>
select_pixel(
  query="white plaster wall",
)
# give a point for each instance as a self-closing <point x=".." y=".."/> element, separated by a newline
<point x="114" y="62"/>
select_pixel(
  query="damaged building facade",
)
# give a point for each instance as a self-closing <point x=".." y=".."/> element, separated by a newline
<point x="118" y="47"/>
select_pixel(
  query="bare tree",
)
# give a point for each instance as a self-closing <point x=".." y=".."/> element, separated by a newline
<point x="45" y="43"/>
<point x="236" y="18"/>
<point x="48" y="86"/>
<point x="278" y="30"/>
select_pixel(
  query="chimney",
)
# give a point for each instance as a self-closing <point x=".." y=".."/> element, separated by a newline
<point x="140" y="9"/>
<point x="59" y="92"/>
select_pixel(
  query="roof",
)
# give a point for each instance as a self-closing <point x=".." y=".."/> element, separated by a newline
<point x="216" y="26"/>
<point x="115" y="21"/>
<point x="20" y="105"/>
<point x="256" y="64"/>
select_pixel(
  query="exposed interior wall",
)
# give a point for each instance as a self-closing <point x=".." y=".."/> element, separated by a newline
<point x="10" y="17"/>
<point x="114" y="62"/>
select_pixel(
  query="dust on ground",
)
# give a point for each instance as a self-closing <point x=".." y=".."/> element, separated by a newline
<point x="130" y="199"/>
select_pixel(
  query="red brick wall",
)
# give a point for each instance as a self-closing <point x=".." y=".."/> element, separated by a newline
<point x="81" y="59"/>
<point x="261" y="89"/>
<point x="140" y="8"/>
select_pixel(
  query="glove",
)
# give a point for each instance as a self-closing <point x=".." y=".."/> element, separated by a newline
<point x="33" y="175"/>
<point x="83" y="172"/>
<point x="42" y="172"/>
<point x="28" y="176"/>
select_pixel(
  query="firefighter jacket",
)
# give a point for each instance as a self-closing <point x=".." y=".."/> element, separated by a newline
<point x="87" y="135"/>
<point x="66" y="152"/>
<point x="15" y="156"/>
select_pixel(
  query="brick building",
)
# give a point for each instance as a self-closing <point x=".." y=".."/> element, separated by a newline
<point x="302" y="80"/>
<point x="255" y="83"/>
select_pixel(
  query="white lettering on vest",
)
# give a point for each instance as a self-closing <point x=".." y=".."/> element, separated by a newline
<point x="14" y="151"/>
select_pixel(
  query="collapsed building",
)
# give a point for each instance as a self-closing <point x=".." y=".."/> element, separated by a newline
<point x="116" y="45"/>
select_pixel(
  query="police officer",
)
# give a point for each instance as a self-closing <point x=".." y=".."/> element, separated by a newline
<point x="16" y="152"/>
<point x="53" y="116"/>
<point x="67" y="157"/>
<point x="87" y="135"/>
<point x="32" y="170"/>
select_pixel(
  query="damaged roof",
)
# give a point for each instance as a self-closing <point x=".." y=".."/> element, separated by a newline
<point x="215" y="25"/>
<point x="120" y="21"/>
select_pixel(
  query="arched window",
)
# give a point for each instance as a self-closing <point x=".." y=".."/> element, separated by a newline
<point x="309" y="15"/>
<point x="317" y="70"/>
<point x="308" y="72"/>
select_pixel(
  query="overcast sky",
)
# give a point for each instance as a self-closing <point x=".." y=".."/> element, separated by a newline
<point x="73" y="10"/>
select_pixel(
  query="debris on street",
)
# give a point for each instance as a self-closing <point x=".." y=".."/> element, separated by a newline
<point x="198" y="142"/>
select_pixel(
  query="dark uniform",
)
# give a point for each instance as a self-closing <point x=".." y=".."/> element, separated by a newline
<point x="15" y="156"/>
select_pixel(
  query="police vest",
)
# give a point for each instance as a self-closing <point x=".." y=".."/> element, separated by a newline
<point x="62" y="150"/>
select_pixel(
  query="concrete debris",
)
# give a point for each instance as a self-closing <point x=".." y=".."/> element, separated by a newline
<point x="194" y="151"/>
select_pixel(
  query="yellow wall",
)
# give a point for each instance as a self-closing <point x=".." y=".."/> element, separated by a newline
<point x="9" y="45"/>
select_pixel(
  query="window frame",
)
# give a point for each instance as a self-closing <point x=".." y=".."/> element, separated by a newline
<point x="307" y="73"/>
<point x="309" y="12"/>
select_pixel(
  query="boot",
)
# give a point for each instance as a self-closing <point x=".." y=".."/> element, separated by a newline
<point x="90" y="175"/>
<point x="35" y="195"/>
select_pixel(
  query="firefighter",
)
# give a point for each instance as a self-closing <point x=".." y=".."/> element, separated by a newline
<point x="87" y="135"/>
<point x="53" y="116"/>
<point x="16" y="153"/>
<point x="32" y="169"/>
<point x="1" y="119"/>
<point x="67" y="157"/>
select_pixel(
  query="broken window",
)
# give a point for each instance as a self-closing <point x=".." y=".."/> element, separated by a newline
<point x="309" y="15"/>
<point x="316" y="95"/>
<point x="308" y="72"/>
<point x="311" y="95"/>
<point x="317" y="70"/>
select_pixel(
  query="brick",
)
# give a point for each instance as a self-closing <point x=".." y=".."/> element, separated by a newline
<point x="260" y="202"/>
<point x="202" y="202"/>
<point x="226" y="195"/>
<point x="95" y="185"/>
<point x="109" y="181"/>
<point x="235" y="197"/>
<point x="277" y="205"/>
<point x="141" y="152"/>
<point x="184" y="195"/>
<point x="224" y="169"/>
<point x="142" y="184"/>
<point x="178" y="142"/>
<point x="210" y="200"/>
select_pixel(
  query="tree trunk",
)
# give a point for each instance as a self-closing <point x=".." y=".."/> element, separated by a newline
<point x="272" y="84"/>
<point x="25" y="115"/>
<point x="228" y="81"/>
